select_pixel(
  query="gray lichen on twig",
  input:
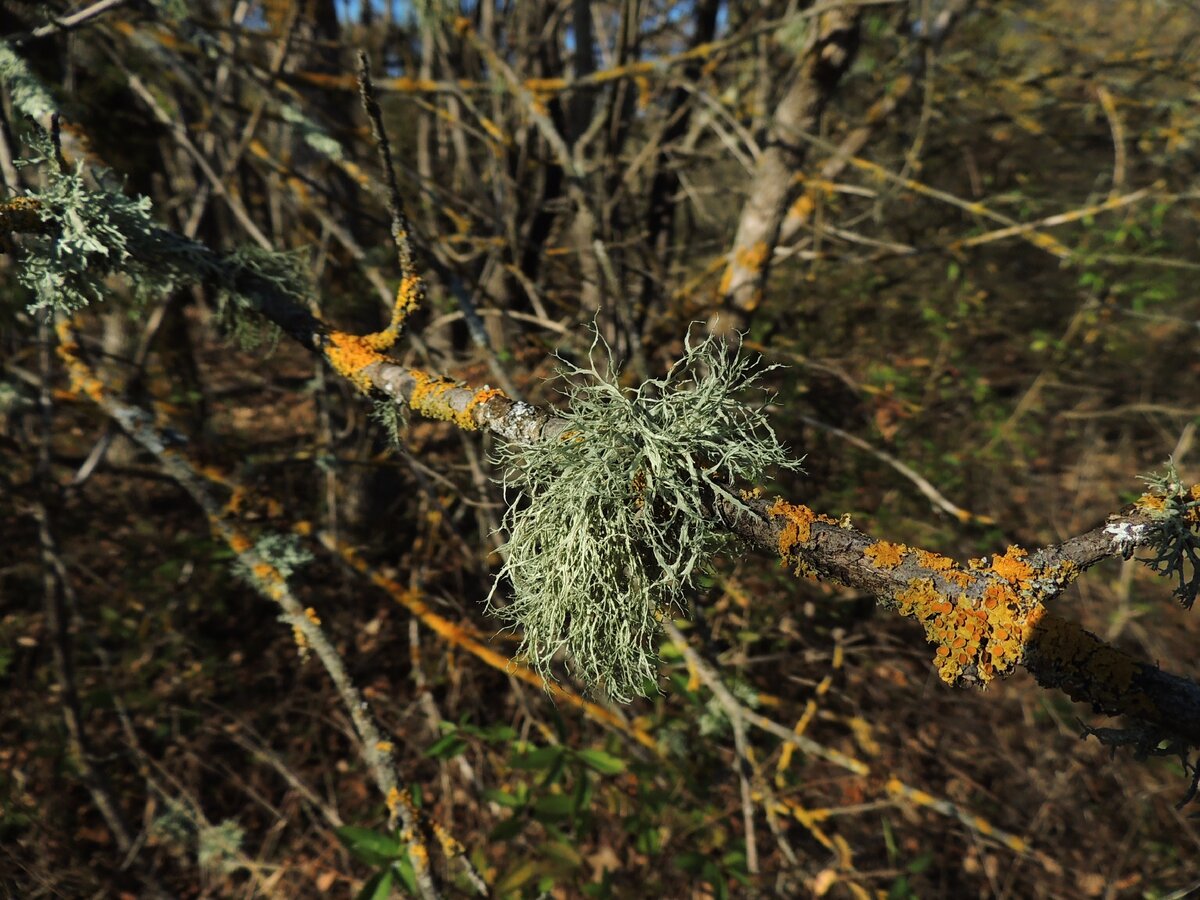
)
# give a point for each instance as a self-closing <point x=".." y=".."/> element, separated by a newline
<point x="618" y="520"/>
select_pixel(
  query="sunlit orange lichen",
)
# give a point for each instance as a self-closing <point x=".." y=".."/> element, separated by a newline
<point x="240" y="543"/>
<point x="935" y="562"/>
<point x="432" y="394"/>
<point x="1012" y="566"/>
<point x="349" y="355"/>
<point x="796" y="530"/>
<point x="481" y="397"/>
<point x="988" y="632"/>
<point x="429" y="395"/>
<point x="1151" y="503"/>
<point x="885" y="555"/>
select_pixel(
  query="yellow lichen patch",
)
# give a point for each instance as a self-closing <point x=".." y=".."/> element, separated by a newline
<point x="237" y="499"/>
<point x="753" y="257"/>
<point x="481" y="397"/>
<point x="802" y="208"/>
<point x="799" y="524"/>
<point x="545" y="85"/>
<point x="957" y="577"/>
<point x="384" y="747"/>
<point x="239" y="543"/>
<point x="1151" y="503"/>
<point x="1012" y="566"/>
<point x="266" y="573"/>
<point x="797" y="530"/>
<point x="746" y="262"/>
<point x="450" y="846"/>
<point x="311" y="615"/>
<point x="419" y="856"/>
<point x="989" y="633"/>
<point x="408" y="298"/>
<point x="885" y="555"/>
<point x="431" y="398"/>
<point x="934" y="562"/>
<point x="82" y="380"/>
<point x="349" y="354"/>
<point x="645" y="96"/>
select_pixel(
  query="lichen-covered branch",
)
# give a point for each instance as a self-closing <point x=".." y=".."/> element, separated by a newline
<point x="984" y="618"/>
<point x="268" y="579"/>
<point x="830" y="50"/>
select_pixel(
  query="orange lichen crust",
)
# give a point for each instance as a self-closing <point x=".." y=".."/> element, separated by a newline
<point x="943" y="566"/>
<point x="797" y="530"/>
<point x="986" y="634"/>
<point x="431" y="398"/>
<point x="1151" y="502"/>
<point x="981" y="633"/>
<point x="82" y="379"/>
<point x="746" y="265"/>
<point x="409" y="295"/>
<point x="1012" y="566"/>
<point x="885" y="555"/>
<point x="350" y="354"/>
<point x="479" y="398"/>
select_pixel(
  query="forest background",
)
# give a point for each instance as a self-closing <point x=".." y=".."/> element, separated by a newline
<point x="965" y="234"/>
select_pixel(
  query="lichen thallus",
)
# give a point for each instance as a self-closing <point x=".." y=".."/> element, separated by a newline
<point x="614" y="521"/>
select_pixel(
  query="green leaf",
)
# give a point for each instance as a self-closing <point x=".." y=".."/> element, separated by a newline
<point x="447" y="747"/>
<point x="378" y="886"/>
<point x="508" y="829"/>
<point x="498" y="733"/>
<point x="504" y="798"/>
<point x="371" y="847"/>
<point x="553" y="807"/>
<point x="599" y="761"/>
<point x="542" y="758"/>
<point x="403" y="868"/>
<point x="517" y="877"/>
<point x="563" y="852"/>
<point x="920" y="864"/>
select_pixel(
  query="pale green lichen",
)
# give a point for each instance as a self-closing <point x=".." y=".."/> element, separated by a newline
<point x="311" y="133"/>
<point x="1174" y="509"/>
<point x="29" y="95"/>
<point x="617" y="519"/>
<point x="92" y="231"/>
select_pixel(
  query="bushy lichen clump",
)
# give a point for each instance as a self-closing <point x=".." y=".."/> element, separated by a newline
<point x="89" y="233"/>
<point x="1175" y="540"/>
<point x="617" y="521"/>
<point x="81" y="229"/>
